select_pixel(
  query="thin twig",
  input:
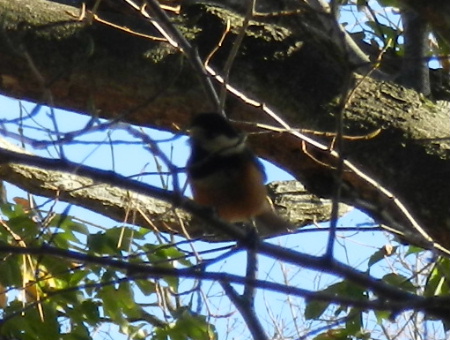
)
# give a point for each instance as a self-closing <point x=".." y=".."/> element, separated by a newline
<point x="390" y="297"/>
<point x="339" y="141"/>
<point x="390" y="197"/>
<point x="247" y="312"/>
<point x="235" y="232"/>
<point x="251" y="272"/>
<point x="168" y="30"/>
<point x="234" y="50"/>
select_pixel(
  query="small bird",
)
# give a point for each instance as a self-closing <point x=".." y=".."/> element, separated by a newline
<point x="226" y="175"/>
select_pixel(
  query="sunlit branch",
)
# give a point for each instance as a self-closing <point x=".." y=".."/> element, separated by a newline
<point x="390" y="198"/>
<point x="234" y="232"/>
<point x="163" y="24"/>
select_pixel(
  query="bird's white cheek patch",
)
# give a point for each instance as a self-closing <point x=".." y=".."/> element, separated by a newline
<point x="226" y="146"/>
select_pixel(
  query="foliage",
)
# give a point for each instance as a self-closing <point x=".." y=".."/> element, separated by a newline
<point x="55" y="297"/>
<point x="47" y="297"/>
<point x="63" y="277"/>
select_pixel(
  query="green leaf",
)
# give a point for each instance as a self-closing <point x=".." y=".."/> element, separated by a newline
<point x="88" y="311"/>
<point x="334" y="334"/>
<point x="314" y="309"/>
<point x="413" y="250"/>
<point x="147" y="287"/>
<point x="383" y="31"/>
<point x="23" y="225"/>
<point x="99" y="243"/>
<point x="11" y="272"/>
<point x="77" y="332"/>
<point x="77" y="276"/>
<point x="134" y="332"/>
<point x="172" y="281"/>
<point x="399" y="281"/>
<point x="195" y="327"/>
<point x="111" y="241"/>
<point x="29" y="324"/>
<point x="354" y="322"/>
<point x="379" y="255"/>
<point x="390" y="3"/>
<point x="161" y="333"/>
<point x="175" y="254"/>
<point x="121" y="237"/>
<point x="125" y="295"/>
<point x="66" y="222"/>
<point x="143" y="232"/>
<point x="382" y="316"/>
<point x="347" y="289"/>
<point x="188" y="326"/>
<point x="164" y="257"/>
<point x="437" y="283"/>
<point x="111" y="306"/>
<point x="62" y="240"/>
<point x="12" y="210"/>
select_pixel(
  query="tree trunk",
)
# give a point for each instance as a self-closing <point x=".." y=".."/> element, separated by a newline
<point x="289" y="63"/>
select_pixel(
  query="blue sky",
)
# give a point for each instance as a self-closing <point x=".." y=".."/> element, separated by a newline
<point x="132" y="160"/>
<point x="351" y="247"/>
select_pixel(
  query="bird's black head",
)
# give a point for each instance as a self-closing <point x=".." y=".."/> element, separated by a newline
<point x="212" y="125"/>
<point x="213" y="133"/>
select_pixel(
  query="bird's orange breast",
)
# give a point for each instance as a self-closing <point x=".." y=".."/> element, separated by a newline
<point x="236" y="193"/>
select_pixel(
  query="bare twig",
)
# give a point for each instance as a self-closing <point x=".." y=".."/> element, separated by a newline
<point x="247" y="312"/>
<point x="234" y="50"/>
<point x="235" y="232"/>
<point x="389" y="197"/>
<point x="163" y="24"/>
<point x="390" y="297"/>
<point x="355" y="55"/>
<point x="251" y="271"/>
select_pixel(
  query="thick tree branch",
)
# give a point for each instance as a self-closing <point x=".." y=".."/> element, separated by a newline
<point x="283" y="64"/>
<point x="127" y="200"/>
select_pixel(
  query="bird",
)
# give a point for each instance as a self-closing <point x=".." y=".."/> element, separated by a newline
<point x="225" y="174"/>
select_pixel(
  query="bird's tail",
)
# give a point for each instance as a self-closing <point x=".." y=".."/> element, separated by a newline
<point x="269" y="223"/>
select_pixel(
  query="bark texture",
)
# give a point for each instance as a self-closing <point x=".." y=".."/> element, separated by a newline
<point x="289" y="62"/>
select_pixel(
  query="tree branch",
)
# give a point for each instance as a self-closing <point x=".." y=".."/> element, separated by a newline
<point x="285" y="65"/>
<point x="117" y="196"/>
<point x="389" y="297"/>
<point x="247" y="311"/>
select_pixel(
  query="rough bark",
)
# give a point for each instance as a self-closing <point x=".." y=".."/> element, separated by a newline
<point x="289" y="198"/>
<point x="289" y="63"/>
